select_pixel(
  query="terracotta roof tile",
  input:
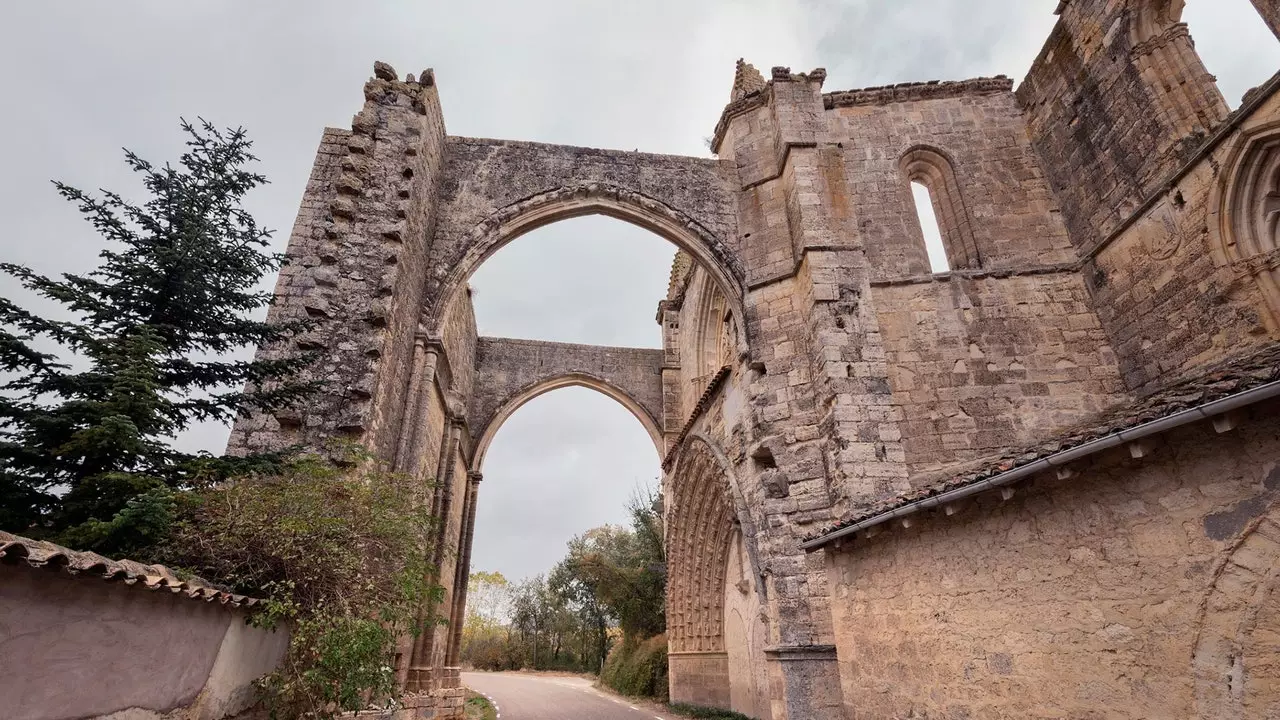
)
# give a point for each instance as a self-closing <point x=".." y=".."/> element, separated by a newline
<point x="15" y="549"/>
<point x="1222" y="380"/>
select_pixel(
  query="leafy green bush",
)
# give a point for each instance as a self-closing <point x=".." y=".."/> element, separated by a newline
<point x="638" y="668"/>
<point x="339" y="551"/>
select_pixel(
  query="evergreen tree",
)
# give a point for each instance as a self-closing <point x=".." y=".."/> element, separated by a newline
<point x="88" y="406"/>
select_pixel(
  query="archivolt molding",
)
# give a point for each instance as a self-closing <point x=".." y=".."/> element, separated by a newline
<point x="1225" y="656"/>
<point x="1244" y="214"/>
<point x="520" y="217"/>
<point x="742" y="511"/>
<point x="489" y="426"/>
<point x="700" y="526"/>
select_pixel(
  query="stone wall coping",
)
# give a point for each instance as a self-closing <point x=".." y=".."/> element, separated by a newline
<point x="581" y="150"/>
<point x="528" y="342"/>
<point x="913" y="91"/>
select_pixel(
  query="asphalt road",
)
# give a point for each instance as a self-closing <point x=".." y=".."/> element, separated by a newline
<point x="547" y="697"/>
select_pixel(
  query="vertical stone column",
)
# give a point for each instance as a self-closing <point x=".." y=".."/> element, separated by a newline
<point x="463" y="574"/>
<point x="826" y="431"/>
<point x="1270" y="12"/>
<point x="1184" y="93"/>
<point x="421" y="676"/>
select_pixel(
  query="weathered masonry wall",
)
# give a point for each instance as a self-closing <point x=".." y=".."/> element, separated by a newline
<point x="965" y="141"/>
<point x="1138" y="589"/>
<point x="1175" y="290"/>
<point x="978" y="365"/>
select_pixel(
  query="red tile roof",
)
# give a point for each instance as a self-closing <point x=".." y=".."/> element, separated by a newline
<point x="15" y="549"/>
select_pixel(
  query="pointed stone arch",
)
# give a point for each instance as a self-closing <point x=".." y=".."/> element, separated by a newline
<point x="510" y="373"/>
<point x="509" y="222"/>
<point x="1244" y="215"/>
<point x="490" y="427"/>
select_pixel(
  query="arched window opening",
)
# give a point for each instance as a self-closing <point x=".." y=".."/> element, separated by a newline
<point x="938" y="262"/>
<point x="1235" y="43"/>
<point x="940" y="210"/>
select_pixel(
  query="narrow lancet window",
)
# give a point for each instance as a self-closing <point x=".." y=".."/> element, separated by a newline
<point x="929" y="226"/>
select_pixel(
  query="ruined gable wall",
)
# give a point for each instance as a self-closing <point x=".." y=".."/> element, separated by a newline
<point x="1077" y="598"/>
<point x="296" y="289"/>
<point x="1102" y="127"/>
<point x="978" y="126"/>
<point x="979" y="365"/>
<point x="1167" y="302"/>
<point x="358" y="264"/>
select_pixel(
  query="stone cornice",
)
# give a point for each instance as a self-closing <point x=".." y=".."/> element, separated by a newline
<point x="907" y="92"/>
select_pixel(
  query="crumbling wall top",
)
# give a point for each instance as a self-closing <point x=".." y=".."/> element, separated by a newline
<point x="912" y="91"/>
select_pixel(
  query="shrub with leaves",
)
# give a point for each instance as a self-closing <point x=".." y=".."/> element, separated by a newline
<point x="341" y="554"/>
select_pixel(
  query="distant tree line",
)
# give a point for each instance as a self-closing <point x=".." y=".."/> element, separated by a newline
<point x="609" y="589"/>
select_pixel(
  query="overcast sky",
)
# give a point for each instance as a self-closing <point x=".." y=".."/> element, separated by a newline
<point x="82" y="79"/>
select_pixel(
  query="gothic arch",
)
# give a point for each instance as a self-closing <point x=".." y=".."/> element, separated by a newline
<point x="1234" y="664"/>
<point x="714" y="328"/>
<point x="490" y="425"/>
<point x="934" y="169"/>
<point x="700" y="524"/>
<point x="1244" y="214"/>
<point x="518" y="218"/>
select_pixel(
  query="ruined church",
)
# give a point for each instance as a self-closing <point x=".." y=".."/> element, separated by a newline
<point x="1042" y="483"/>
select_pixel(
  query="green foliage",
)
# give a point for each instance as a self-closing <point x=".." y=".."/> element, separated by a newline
<point x="340" y="552"/>
<point x="706" y="713"/>
<point x="638" y="668"/>
<point x="478" y="707"/>
<point x="88" y="404"/>
<point x="610" y="577"/>
<point x="622" y="571"/>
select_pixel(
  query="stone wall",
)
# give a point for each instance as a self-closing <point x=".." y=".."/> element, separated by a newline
<point x="982" y="364"/>
<point x="975" y="132"/>
<point x="1115" y="101"/>
<point x="1165" y="288"/>
<point x="81" y="647"/>
<point x="1087" y="597"/>
<point x="357" y="266"/>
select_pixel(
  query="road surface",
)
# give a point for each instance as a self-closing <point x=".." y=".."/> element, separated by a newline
<point x="547" y="697"/>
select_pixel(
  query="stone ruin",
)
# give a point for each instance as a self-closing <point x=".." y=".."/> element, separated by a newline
<point x="1043" y="482"/>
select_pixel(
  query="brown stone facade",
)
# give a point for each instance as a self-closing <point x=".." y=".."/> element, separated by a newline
<point x="888" y="493"/>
